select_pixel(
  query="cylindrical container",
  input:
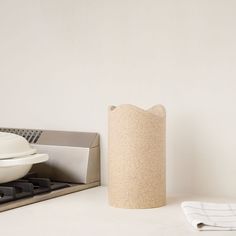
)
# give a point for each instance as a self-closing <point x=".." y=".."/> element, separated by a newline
<point x="136" y="155"/>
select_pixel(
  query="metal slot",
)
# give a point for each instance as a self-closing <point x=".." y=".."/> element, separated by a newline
<point x="32" y="136"/>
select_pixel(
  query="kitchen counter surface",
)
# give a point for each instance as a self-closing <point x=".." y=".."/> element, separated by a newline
<point x="87" y="213"/>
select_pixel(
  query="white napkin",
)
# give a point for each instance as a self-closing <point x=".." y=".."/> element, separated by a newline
<point x="210" y="216"/>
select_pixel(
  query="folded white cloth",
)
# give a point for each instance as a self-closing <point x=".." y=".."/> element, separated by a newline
<point x="210" y="216"/>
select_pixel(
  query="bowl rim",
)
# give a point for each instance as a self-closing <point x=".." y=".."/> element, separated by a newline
<point x="17" y="154"/>
<point x="24" y="160"/>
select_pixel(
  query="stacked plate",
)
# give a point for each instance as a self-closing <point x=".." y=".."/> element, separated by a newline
<point x="16" y="157"/>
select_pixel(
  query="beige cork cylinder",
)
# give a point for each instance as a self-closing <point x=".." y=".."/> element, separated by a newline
<point x="136" y="155"/>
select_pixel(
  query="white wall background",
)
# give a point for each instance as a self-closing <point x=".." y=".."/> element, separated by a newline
<point x="62" y="62"/>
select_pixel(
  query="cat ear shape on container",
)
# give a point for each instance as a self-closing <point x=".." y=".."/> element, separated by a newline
<point x="158" y="110"/>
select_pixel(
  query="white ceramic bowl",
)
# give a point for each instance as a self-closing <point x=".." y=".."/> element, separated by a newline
<point x="16" y="157"/>
<point x="12" y="145"/>
<point x="16" y="168"/>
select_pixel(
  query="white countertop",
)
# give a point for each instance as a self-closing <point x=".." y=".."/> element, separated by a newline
<point x="87" y="213"/>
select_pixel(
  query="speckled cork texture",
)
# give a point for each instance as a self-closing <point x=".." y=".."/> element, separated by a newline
<point x="136" y="157"/>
